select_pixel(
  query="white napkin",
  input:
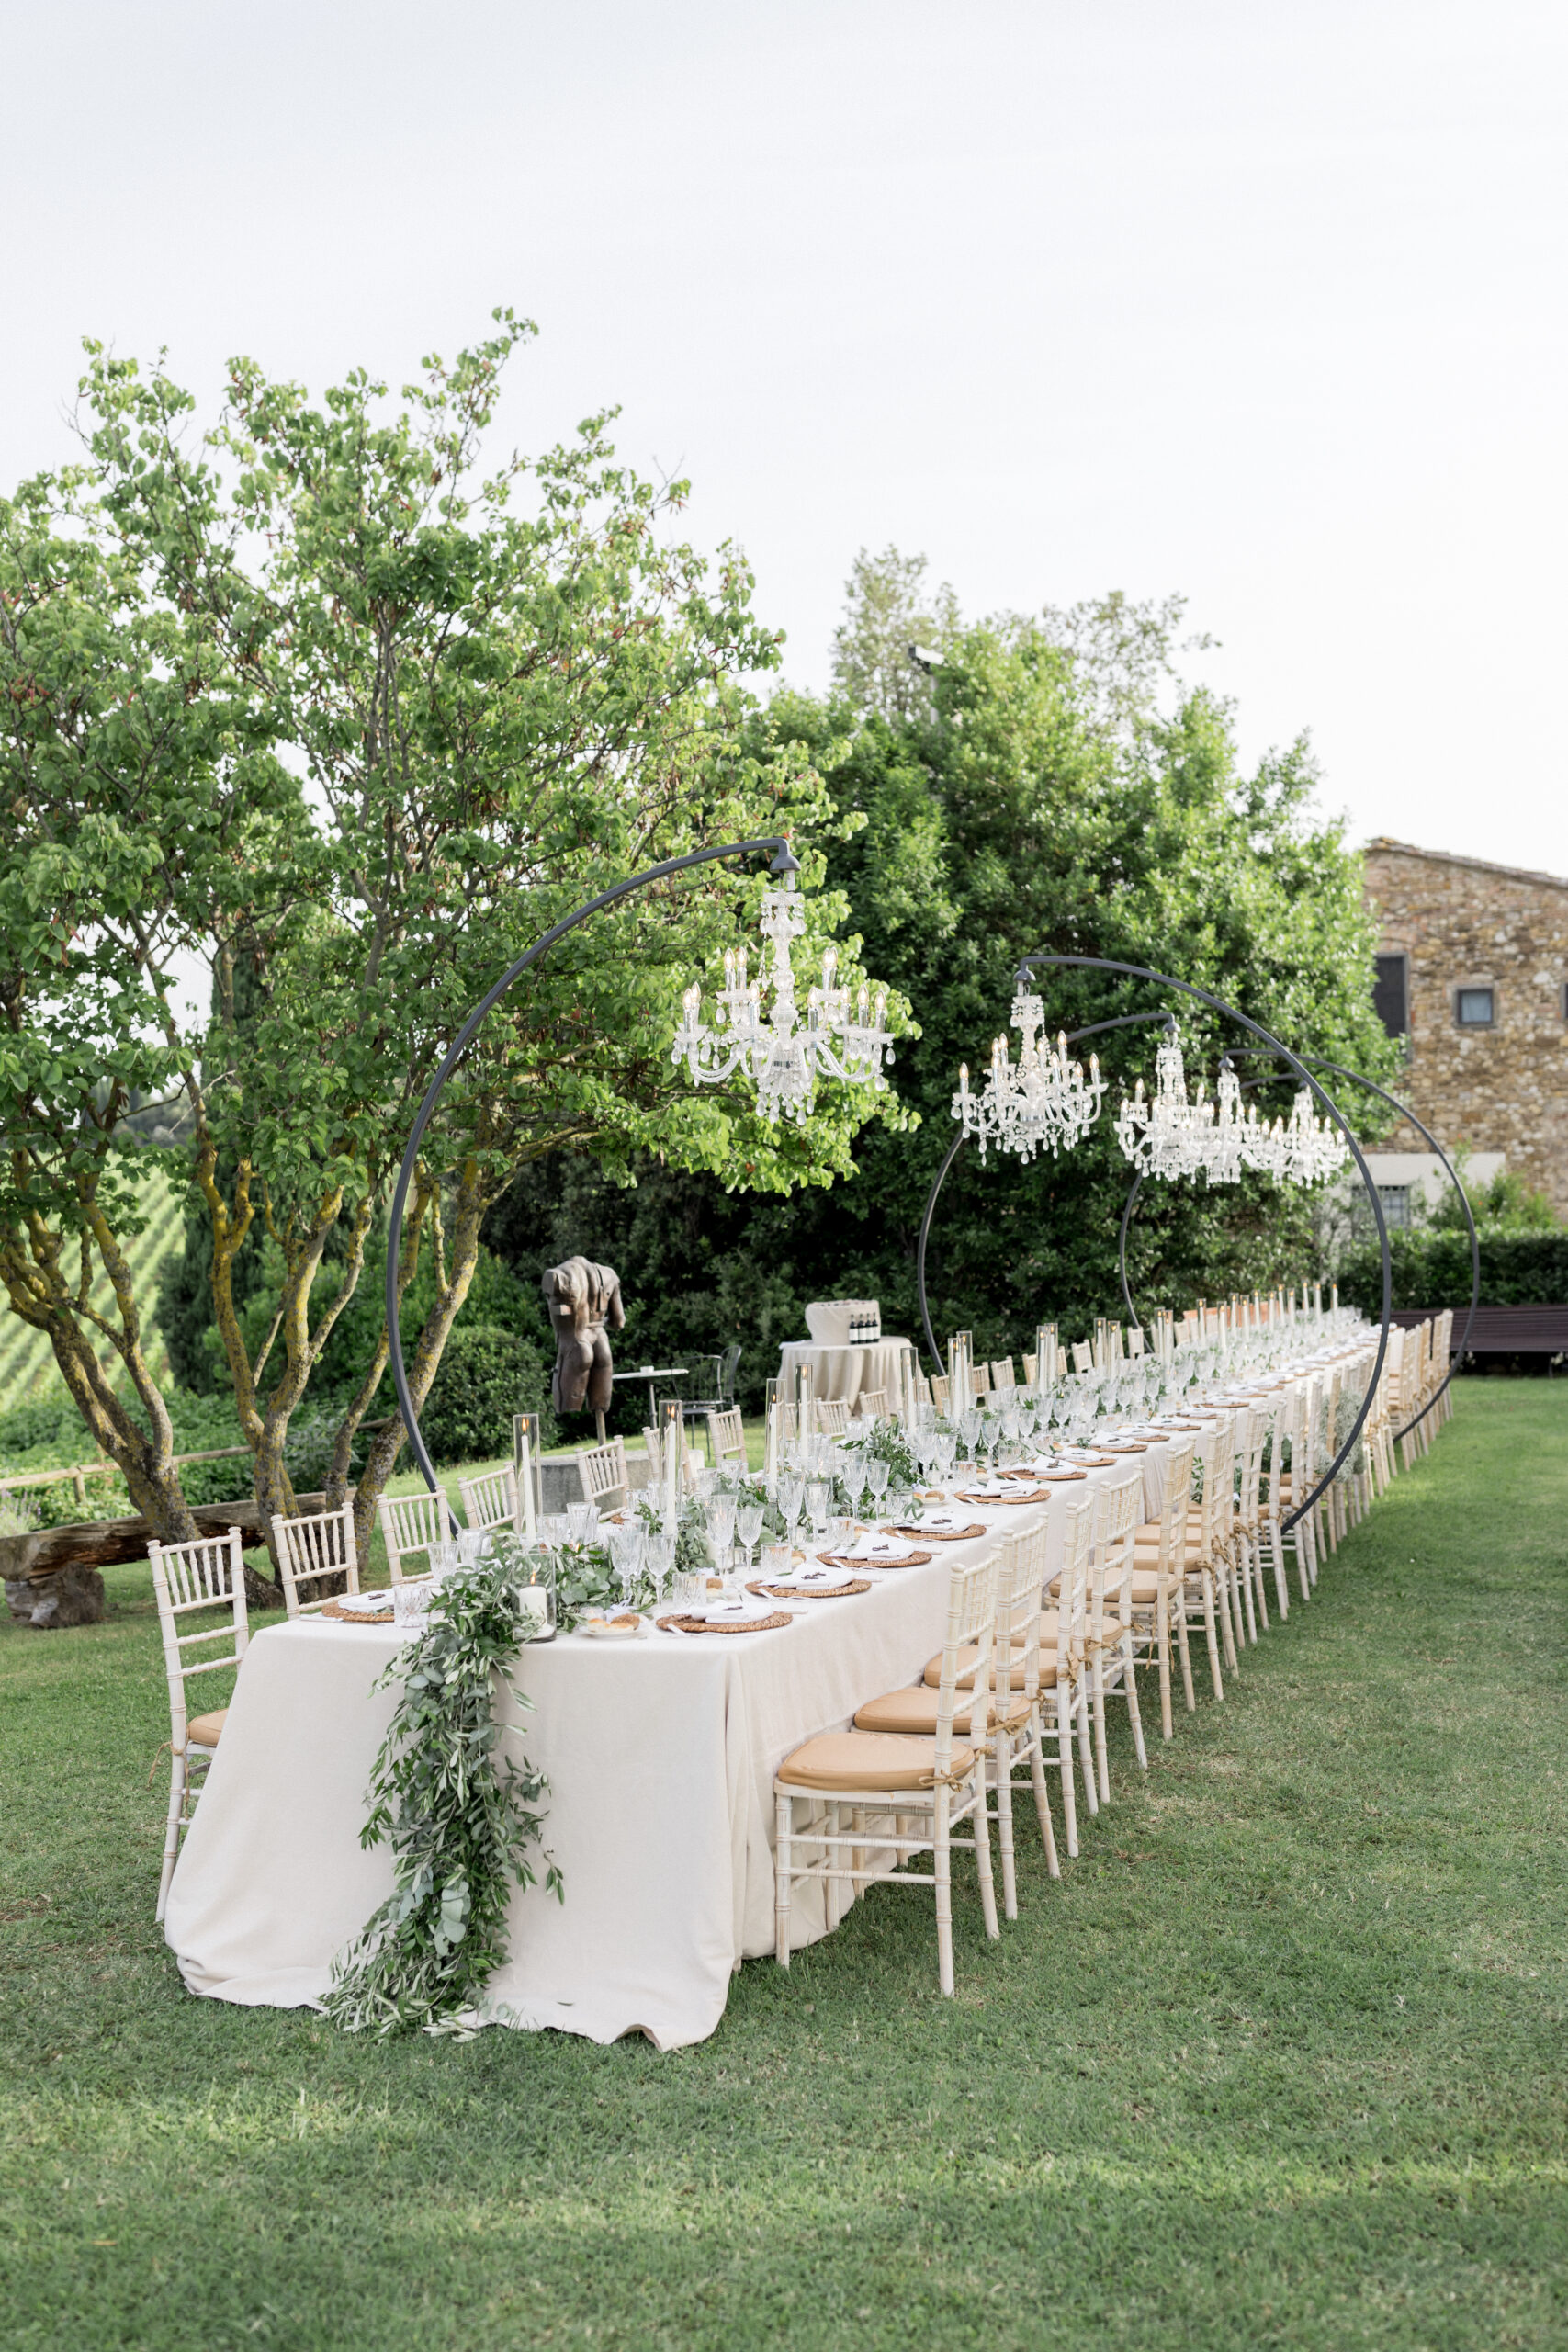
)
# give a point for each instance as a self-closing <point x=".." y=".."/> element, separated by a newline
<point x="365" y="1605"/>
<point x="946" y="1522"/>
<point x="717" y="1612"/>
<point x="878" y="1547"/>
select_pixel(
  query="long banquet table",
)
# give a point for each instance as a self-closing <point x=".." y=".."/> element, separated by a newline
<point x="661" y="1754"/>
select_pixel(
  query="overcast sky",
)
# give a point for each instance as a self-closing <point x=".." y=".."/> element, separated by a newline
<point x="1261" y="300"/>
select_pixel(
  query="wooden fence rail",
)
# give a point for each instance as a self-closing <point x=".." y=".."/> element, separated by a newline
<point x="80" y="1472"/>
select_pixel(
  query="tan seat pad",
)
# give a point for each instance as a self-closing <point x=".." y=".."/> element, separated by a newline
<point x="966" y="1663"/>
<point x="202" y="1731"/>
<point x="911" y="1711"/>
<point x="867" y="1760"/>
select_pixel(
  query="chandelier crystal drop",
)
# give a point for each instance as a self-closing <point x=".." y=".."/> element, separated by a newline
<point x="784" y="1056"/>
<point x="1043" y="1102"/>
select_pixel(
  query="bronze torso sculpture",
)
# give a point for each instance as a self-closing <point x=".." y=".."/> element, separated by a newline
<point x="582" y="1298"/>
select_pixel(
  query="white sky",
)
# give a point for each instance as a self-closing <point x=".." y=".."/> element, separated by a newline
<point x="1259" y="299"/>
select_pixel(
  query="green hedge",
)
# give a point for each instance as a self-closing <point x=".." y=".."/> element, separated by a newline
<point x="1432" y="1269"/>
<point x="485" y="1376"/>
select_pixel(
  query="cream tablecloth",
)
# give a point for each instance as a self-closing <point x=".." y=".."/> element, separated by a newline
<point x="660" y="1754"/>
<point x="842" y="1372"/>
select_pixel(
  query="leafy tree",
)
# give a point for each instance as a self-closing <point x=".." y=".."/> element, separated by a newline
<point x="1064" y="792"/>
<point x="413" y="713"/>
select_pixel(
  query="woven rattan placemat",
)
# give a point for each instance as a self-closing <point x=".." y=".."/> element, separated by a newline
<point x="742" y="1625"/>
<point x="810" y="1591"/>
<point x="940" y="1534"/>
<point x="355" y="1616"/>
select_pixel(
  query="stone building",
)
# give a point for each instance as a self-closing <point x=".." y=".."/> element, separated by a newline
<point x="1473" y="973"/>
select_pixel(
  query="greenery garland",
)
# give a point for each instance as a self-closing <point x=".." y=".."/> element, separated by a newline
<point x="459" y="1820"/>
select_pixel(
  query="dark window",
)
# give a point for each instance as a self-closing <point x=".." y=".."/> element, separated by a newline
<point x="1395" y="1199"/>
<point x="1473" y="1007"/>
<point x="1390" y="992"/>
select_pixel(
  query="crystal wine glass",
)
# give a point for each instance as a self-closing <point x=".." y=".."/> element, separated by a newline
<point x="749" y="1519"/>
<point x="626" y="1545"/>
<point x="720" y="1515"/>
<point x="876" y="1481"/>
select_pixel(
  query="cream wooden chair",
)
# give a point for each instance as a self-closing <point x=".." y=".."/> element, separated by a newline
<point x="1276" y="1490"/>
<point x="1017" y="1734"/>
<point x="872" y="1401"/>
<point x="831" y="1415"/>
<point x="1083" y="1356"/>
<point x="1158" y="1600"/>
<point x="601" y="1469"/>
<point x="1196" y="1546"/>
<point x="1002" y="1376"/>
<point x="1018" y="1718"/>
<point x="939" y="1387"/>
<point x="1109" y="1638"/>
<point x="187" y="1578"/>
<point x="907" y="1794"/>
<point x="1245" y="1545"/>
<point x="412" y="1523"/>
<point x="310" y="1548"/>
<point x="726" y="1435"/>
<point x="980" y="1379"/>
<point x="492" y="1500"/>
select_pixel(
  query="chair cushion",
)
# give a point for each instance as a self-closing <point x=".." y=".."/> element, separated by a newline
<point x="867" y="1760"/>
<point x="202" y="1731"/>
<point x="911" y="1711"/>
<point x="968" y="1660"/>
<point x="1048" y="1623"/>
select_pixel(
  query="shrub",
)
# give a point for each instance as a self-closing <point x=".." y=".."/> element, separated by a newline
<point x="1431" y="1268"/>
<point x="486" y="1375"/>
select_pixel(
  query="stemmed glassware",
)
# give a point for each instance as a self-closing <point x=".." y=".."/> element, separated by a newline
<point x="852" y="1470"/>
<point x="749" y="1519"/>
<point x="789" y="1504"/>
<point x="818" y="1494"/>
<point x="720" y="1515"/>
<point x="626" y="1553"/>
<point x="659" y="1558"/>
<point x="876" y="1481"/>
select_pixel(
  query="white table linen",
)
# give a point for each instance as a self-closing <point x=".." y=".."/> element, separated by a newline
<point x="660" y="1754"/>
<point x="840" y="1373"/>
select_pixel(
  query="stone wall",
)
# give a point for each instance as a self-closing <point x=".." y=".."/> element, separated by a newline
<point x="1464" y="923"/>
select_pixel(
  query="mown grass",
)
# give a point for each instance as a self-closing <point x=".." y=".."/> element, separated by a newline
<point x="1278" y="2064"/>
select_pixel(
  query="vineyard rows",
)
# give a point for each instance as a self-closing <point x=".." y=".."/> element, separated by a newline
<point x="27" y="1361"/>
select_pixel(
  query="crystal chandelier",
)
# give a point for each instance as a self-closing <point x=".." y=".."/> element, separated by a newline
<point x="1170" y="1135"/>
<point x="1044" y="1102"/>
<point x="1164" y="1135"/>
<point x="1310" y="1147"/>
<point x="784" y="1056"/>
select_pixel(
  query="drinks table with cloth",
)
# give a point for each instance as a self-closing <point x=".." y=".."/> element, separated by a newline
<point x="660" y="1754"/>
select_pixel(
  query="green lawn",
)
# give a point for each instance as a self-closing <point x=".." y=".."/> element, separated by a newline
<point x="1278" y="2064"/>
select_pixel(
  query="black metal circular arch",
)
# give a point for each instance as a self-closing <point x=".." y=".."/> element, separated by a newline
<point x="783" y="861"/>
<point x="1029" y="964"/>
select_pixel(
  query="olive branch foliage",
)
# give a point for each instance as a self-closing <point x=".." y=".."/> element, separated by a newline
<point x="462" y="1819"/>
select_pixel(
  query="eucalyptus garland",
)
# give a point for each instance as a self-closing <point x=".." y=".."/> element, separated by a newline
<point x="459" y="1820"/>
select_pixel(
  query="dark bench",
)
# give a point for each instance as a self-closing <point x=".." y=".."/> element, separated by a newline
<point x="1502" y="1330"/>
